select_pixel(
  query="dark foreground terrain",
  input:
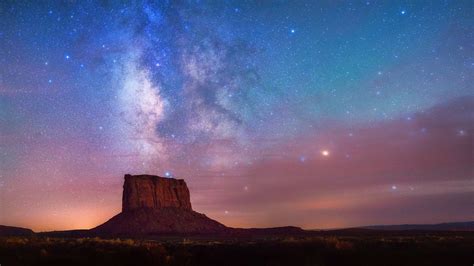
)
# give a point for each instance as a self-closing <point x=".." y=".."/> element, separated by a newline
<point x="325" y="248"/>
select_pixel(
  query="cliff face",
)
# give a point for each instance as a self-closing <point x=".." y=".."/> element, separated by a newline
<point x="154" y="192"/>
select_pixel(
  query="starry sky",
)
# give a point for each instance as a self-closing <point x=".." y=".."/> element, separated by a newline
<point x="317" y="114"/>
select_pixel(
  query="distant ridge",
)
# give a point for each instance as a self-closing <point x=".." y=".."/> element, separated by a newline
<point x="15" y="231"/>
<point x="454" y="226"/>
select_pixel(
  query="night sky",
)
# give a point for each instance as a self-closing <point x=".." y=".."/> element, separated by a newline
<point x="318" y="115"/>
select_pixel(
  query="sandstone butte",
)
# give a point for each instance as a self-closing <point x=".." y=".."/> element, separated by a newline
<point x="157" y="205"/>
<point x="147" y="191"/>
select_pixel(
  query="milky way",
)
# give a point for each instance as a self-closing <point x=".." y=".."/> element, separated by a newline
<point x="275" y="113"/>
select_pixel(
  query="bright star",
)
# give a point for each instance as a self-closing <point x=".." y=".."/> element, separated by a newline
<point x="403" y="12"/>
<point x="167" y="174"/>
<point x="325" y="153"/>
<point x="292" y="31"/>
<point x="394" y="187"/>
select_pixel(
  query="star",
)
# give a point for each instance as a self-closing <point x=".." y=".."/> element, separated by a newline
<point x="325" y="153"/>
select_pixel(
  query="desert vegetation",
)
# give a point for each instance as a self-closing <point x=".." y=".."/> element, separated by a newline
<point x="422" y="249"/>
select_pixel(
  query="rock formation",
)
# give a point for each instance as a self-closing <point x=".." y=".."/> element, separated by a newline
<point x="156" y="205"/>
<point x="147" y="191"/>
